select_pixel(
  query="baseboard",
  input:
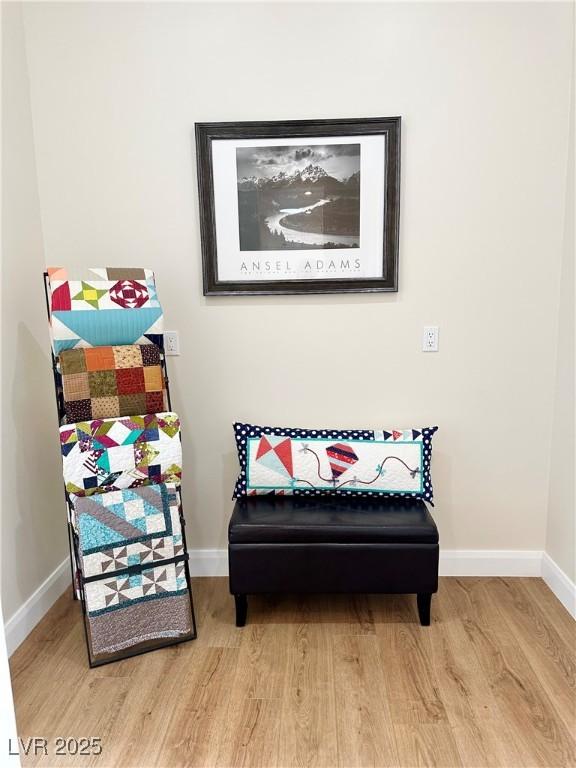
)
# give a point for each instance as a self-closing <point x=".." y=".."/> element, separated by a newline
<point x="208" y="562"/>
<point x="19" y="626"/>
<point x="559" y="583"/>
<point x="490" y="562"/>
<point x="453" y="562"/>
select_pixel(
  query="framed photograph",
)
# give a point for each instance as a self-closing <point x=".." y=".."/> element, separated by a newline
<point x="303" y="206"/>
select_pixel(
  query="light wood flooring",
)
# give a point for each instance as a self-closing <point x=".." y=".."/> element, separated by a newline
<point x="319" y="681"/>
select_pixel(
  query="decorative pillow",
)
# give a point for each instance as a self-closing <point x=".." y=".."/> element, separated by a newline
<point x="103" y="382"/>
<point x="322" y="462"/>
<point x="111" y="454"/>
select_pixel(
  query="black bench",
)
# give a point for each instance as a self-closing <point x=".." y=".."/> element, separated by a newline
<point x="332" y="544"/>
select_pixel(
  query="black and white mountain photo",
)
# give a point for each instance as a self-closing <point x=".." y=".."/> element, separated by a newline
<point x="298" y="197"/>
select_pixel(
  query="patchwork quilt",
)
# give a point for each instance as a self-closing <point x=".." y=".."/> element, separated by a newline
<point x="112" y="454"/>
<point x="101" y="382"/>
<point x="105" y="306"/>
<point x="132" y="560"/>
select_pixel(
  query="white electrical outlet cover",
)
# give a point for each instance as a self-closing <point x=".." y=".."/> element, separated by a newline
<point x="430" y="338"/>
<point x="171" y="343"/>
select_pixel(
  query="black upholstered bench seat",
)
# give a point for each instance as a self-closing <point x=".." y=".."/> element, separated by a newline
<point x="332" y="544"/>
<point x="338" y="519"/>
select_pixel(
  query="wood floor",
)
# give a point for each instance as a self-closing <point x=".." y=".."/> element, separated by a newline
<point x="319" y="681"/>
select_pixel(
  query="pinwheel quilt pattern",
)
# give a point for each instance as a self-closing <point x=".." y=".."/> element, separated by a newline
<point x="133" y="562"/>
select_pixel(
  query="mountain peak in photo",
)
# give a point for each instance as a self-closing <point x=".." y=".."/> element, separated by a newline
<point x="309" y="176"/>
<point x="311" y="173"/>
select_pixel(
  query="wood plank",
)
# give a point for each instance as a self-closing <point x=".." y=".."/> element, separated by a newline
<point x="540" y="737"/>
<point x="348" y="615"/>
<point x="481" y="733"/>
<point x="551" y="659"/>
<point x="153" y="698"/>
<point x="552" y="608"/>
<point x="252" y="719"/>
<point x="308" y="719"/>
<point x="427" y="745"/>
<point x="57" y="672"/>
<point x="418" y="714"/>
<point x="262" y="662"/>
<point x="387" y="609"/>
<point x="250" y="734"/>
<point x="196" y="726"/>
<point x="216" y="619"/>
<point x="91" y="711"/>
<point x="365" y="737"/>
<point x="406" y="654"/>
<point x="283" y="609"/>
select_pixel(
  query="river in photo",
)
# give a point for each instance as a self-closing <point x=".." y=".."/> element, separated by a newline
<point x="306" y="238"/>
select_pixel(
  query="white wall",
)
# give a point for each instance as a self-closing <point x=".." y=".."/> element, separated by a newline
<point x="561" y="522"/>
<point x="483" y="93"/>
<point x="33" y="513"/>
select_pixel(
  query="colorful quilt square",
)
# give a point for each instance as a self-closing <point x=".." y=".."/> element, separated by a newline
<point x="149" y="434"/>
<point x="78" y="410"/>
<point x="102" y="383"/>
<point x="76" y="386"/>
<point x="153" y="379"/>
<point x="102" y="407"/>
<point x="74" y="361"/>
<point x="155" y="402"/>
<point x="129" y="381"/>
<point x="129" y="294"/>
<point x="131" y="404"/>
<point x="98" y="358"/>
<point x="121" y="453"/>
<point x="150" y="354"/>
<point x="127" y="357"/>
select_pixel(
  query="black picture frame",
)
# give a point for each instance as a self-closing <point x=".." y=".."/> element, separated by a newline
<point x="206" y="133"/>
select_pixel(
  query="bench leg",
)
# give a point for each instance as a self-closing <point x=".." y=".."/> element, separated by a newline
<point x="241" y="609"/>
<point x="424" y="599"/>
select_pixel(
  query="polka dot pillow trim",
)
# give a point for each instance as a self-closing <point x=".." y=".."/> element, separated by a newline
<point x="327" y="462"/>
<point x="104" y="382"/>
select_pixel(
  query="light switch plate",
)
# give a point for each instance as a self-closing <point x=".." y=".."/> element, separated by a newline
<point x="171" y="343"/>
<point x="430" y="338"/>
